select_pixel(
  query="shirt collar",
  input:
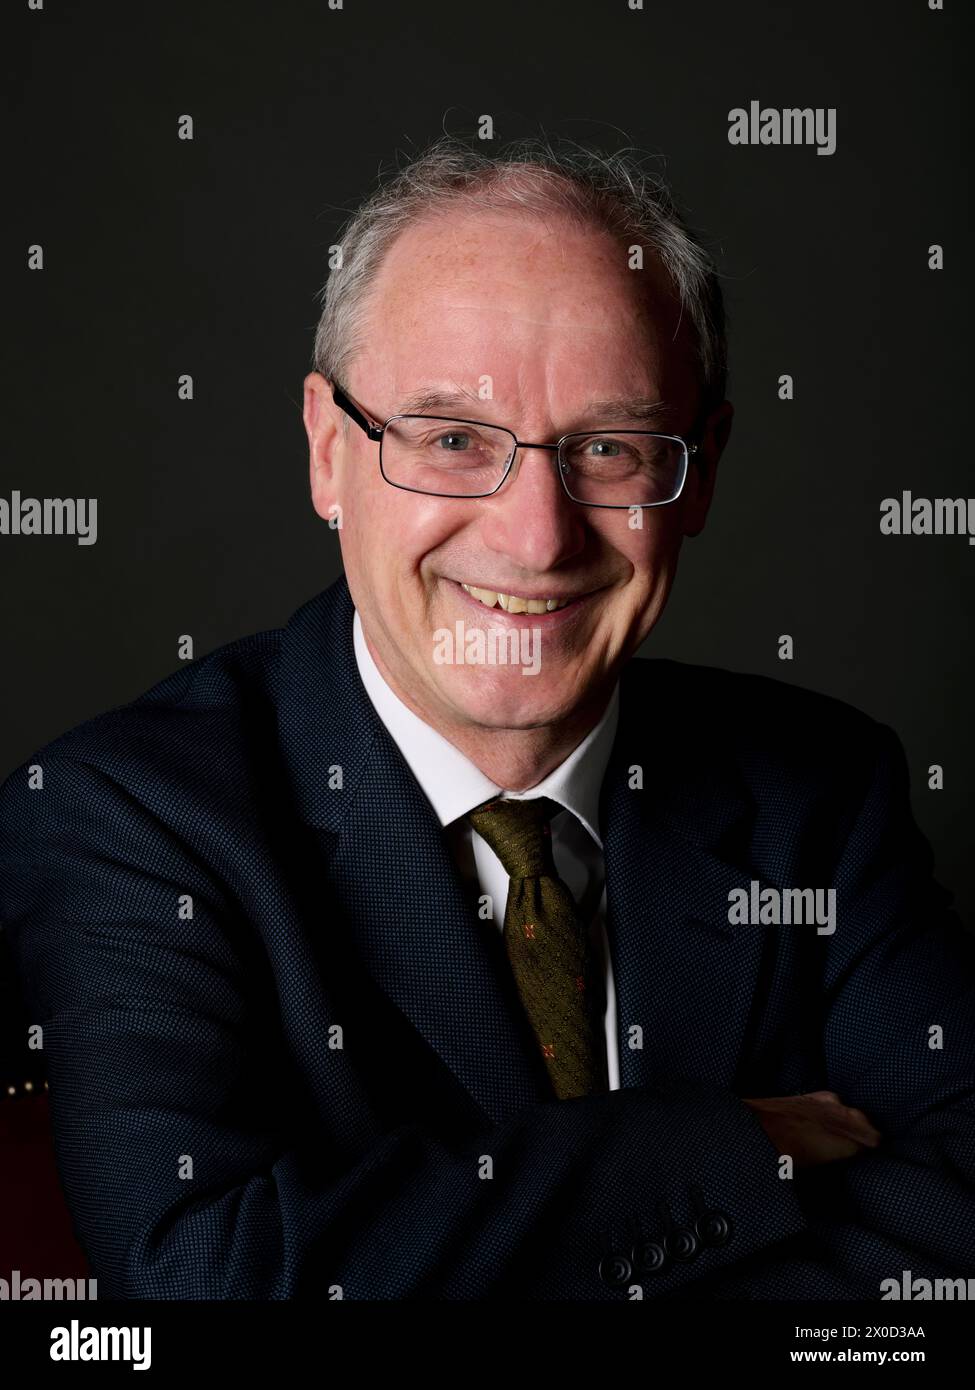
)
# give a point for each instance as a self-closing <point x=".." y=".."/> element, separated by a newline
<point x="454" y="785"/>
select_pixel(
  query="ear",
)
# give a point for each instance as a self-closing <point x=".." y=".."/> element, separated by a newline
<point x="704" y="466"/>
<point x="321" y="419"/>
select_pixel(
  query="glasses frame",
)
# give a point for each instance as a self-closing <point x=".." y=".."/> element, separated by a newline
<point x="375" y="430"/>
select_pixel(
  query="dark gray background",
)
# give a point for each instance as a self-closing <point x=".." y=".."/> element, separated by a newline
<point x="165" y="256"/>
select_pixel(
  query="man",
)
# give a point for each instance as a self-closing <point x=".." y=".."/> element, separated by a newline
<point x="404" y="952"/>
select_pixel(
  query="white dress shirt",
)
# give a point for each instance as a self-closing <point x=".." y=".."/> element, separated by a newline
<point x="454" y="786"/>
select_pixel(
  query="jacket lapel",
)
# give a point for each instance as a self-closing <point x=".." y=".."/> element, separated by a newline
<point x="395" y="885"/>
<point x="418" y="933"/>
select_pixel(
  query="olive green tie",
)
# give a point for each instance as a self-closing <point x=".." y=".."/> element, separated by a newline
<point x="547" y="943"/>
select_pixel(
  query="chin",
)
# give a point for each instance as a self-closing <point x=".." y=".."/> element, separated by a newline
<point x="511" y="701"/>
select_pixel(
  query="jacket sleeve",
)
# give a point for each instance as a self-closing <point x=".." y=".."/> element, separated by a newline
<point x="191" y="1170"/>
<point x="899" y="1043"/>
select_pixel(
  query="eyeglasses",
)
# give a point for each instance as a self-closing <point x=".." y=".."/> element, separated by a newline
<point x="443" y="457"/>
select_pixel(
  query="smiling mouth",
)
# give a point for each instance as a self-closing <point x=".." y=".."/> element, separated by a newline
<point x="517" y="603"/>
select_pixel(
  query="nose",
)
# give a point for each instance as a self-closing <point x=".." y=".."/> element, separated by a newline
<point x="531" y="520"/>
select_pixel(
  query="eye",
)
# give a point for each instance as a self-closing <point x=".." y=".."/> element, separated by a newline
<point x="605" y="448"/>
<point x="454" y="441"/>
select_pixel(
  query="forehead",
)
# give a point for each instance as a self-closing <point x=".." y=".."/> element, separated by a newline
<point x="520" y="296"/>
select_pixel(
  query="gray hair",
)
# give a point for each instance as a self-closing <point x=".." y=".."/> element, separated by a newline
<point x="613" y="192"/>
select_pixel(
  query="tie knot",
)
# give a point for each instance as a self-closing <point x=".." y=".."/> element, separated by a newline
<point x="519" y="833"/>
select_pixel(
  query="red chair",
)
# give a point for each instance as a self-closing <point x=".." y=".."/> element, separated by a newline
<point x="35" y="1227"/>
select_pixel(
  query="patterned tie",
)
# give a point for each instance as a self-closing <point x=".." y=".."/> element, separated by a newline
<point x="547" y="943"/>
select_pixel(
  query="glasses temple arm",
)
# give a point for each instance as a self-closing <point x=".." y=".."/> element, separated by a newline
<point x="354" y="413"/>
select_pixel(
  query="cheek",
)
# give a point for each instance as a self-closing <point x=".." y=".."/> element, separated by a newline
<point x="646" y="540"/>
<point x="393" y="532"/>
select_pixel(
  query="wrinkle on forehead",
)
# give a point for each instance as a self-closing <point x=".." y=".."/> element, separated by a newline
<point x="448" y="264"/>
<point x="547" y="322"/>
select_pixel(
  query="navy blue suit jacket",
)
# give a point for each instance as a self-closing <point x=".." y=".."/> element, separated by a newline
<point x="321" y="1079"/>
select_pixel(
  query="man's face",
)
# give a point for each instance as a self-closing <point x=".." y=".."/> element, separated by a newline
<point x="552" y="316"/>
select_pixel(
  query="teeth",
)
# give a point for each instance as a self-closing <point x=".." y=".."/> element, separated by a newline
<point x="487" y="596"/>
<point x="510" y="604"/>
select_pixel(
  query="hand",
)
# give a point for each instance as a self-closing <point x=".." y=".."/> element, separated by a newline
<point x="815" y="1128"/>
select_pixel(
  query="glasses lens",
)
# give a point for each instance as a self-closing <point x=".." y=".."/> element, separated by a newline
<point x="623" y="468"/>
<point x="450" y="458"/>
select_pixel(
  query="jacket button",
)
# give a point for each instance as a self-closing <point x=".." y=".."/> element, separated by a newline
<point x="681" y="1243"/>
<point x="649" y="1256"/>
<point x="615" y="1270"/>
<point x="713" y="1227"/>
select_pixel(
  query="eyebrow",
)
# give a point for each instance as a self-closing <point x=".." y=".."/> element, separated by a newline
<point x="610" y="410"/>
